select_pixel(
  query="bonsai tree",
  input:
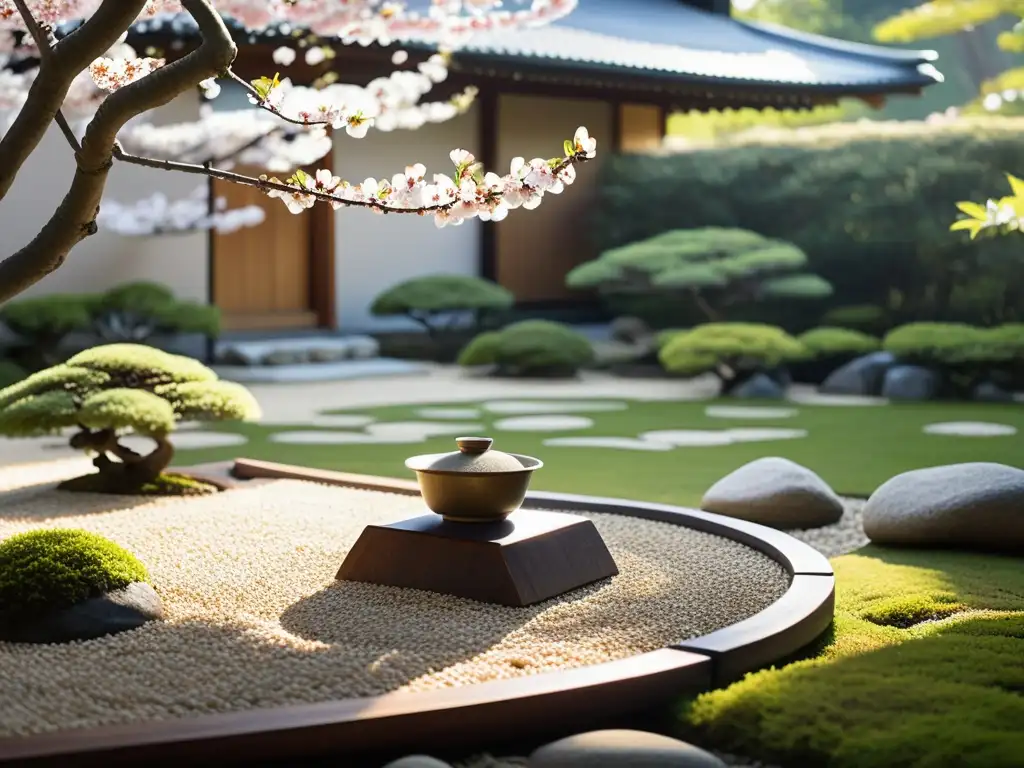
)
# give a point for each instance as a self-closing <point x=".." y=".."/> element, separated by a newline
<point x="964" y="354"/>
<point x="136" y="312"/>
<point x="732" y="351"/>
<point x="530" y="348"/>
<point x="43" y="323"/>
<point x="108" y="390"/>
<point x="827" y="349"/>
<point x="713" y="267"/>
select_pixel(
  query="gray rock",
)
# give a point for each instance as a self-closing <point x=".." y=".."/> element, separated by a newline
<point x="911" y="383"/>
<point x="417" y="761"/>
<point x="363" y="347"/>
<point x="622" y="749"/>
<point x="107" y="614"/>
<point x="759" y="386"/>
<point x="234" y="356"/>
<point x="629" y="330"/>
<point x="862" y="376"/>
<point x="990" y="392"/>
<point x="775" y="492"/>
<point x="978" y="505"/>
<point x="286" y="357"/>
<point x="333" y="354"/>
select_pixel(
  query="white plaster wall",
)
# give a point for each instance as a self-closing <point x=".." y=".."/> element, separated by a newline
<point x="374" y="252"/>
<point x="106" y="259"/>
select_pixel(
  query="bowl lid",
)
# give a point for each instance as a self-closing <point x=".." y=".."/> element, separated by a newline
<point x="474" y="456"/>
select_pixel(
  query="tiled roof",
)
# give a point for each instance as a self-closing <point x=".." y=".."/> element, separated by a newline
<point x="670" y="39"/>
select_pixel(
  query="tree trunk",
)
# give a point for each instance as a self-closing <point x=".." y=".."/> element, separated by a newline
<point x="132" y="471"/>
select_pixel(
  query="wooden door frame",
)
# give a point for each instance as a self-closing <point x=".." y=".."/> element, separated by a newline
<point x="319" y="253"/>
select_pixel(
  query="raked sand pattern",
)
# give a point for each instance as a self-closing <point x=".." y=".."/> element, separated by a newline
<point x="256" y="619"/>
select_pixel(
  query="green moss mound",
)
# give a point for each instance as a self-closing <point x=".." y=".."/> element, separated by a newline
<point x="166" y="484"/>
<point x="826" y="342"/>
<point x="45" y="570"/>
<point x="530" y="348"/>
<point x="924" y="667"/>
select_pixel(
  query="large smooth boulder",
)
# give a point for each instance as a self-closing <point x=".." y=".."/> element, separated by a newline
<point x="760" y="386"/>
<point x="622" y="749"/>
<point x="911" y="383"/>
<point x="862" y="376"/>
<point x="775" y="492"/>
<point x="971" y="506"/>
<point x="418" y="761"/>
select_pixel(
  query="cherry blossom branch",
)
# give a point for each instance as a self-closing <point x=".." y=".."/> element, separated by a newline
<point x="57" y="71"/>
<point x="75" y="217"/>
<point x="42" y="40"/>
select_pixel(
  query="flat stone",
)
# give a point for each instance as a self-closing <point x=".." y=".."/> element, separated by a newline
<point x="421" y="430"/>
<point x="109" y="613"/>
<point x="329" y="354"/>
<point x="187" y="441"/>
<point x="759" y="386"/>
<point x="776" y="492"/>
<point x="761" y="434"/>
<point x="285" y="357"/>
<point x="970" y="429"/>
<point x="617" y="443"/>
<point x="748" y="412"/>
<point x="551" y="423"/>
<point x="688" y="438"/>
<point x="989" y="392"/>
<point x="842" y="401"/>
<point x="911" y="383"/>
<point x="448" y="413"/>
<point x="333" y="437"/>
<point x="621" y="749"/>
<point x="977" y="505"/>
<point x="862" y="376"/>
<point x="512" y="407"/>
<point x="362" y="347"/>
<point x="418" y="761"/>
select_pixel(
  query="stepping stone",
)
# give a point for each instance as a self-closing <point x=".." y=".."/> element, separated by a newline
<point x="862" y="376"/>
<point x="448" y="413"/>
<point x="970" y="429"/>
<point x="551" y="423"/>
<point x="818" y="398"/>
<point x="328" y="437"/>
<point x="775" y="492"/>
<point x="978" y="505"/>
<point x="621" y="749"/>
<point x="512" y="407"/>
<point x="757" y="435"/>
<point x="340" y="421"/>
<point x="418" y="761"/>
<point x="683" y="438"/>
<point x="421" y="430"/>
<point x="619" y="443"/>
<point x="748" y="412"/>
<point x="911" y="383"/>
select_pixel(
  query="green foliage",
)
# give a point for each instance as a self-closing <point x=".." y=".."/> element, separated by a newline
<point x="48" y="316"/>
<point x="55" y="568"/>
<point x="728" y="349"/>
<point x="121" y="386"/>
<point x="11" y="373"/>
<point x="826" y="342"/>
<point x="923" y="667"/>
<point x="136" y="311"/>
<point x="874" y="205"/>
<point x="724" y="266"/>
<point x="425" y="298"/>
<point x="862" y="317"/>
<point x="956" y="344"/>
<point x="530" y="348"/>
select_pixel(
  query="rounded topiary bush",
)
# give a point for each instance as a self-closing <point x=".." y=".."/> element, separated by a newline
<point x="530" y="348"/>
<point x="732" y="351"/>
<point x="829" y="348"/>
<point x="45" y="570"/>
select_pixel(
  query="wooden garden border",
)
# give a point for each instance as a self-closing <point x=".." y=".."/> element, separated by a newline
<point x="470" y="716"/>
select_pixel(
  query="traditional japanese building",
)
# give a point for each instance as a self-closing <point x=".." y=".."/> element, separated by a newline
<point x="616" y="66"/>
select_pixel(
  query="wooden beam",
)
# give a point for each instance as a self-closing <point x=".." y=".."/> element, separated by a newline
<point x="322" y="277"/>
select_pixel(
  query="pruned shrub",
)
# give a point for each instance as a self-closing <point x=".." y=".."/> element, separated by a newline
<point x="829" y="348"/>
<point x="43" y="323"/>
<point x="135" y="312"/>
<point x="712" y="268"/>
<point x="858" y="317"/>
<point x="732" y="351"/>
<point x="965" y="354"/>
<point x="530" y="348"/>
<point x="106" y="391"/>
<point x="870" y="204"/>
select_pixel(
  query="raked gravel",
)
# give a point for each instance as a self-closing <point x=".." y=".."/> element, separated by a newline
<point x="256" y="619"/>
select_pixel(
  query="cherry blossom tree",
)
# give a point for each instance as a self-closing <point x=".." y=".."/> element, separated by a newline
<point x="67" y="62"/>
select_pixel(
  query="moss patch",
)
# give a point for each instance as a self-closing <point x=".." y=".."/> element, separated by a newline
<point x="924" y="667"/>
<point x="168" y="484"/>
<point x="56" y="568"/>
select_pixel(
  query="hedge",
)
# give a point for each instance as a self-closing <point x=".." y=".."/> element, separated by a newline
<point x="870" y="204"/>
<point x="530" y="348"/>
<point x="732" y="351"/>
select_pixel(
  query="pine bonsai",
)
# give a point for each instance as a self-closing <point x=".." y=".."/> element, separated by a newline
<point x="531" y="348"/>
<point x="135" y="312"/>
<point x="429" y="299"/>
<point x="108" y="390"/>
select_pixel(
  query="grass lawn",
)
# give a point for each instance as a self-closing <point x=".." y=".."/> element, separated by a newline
<point x="855" y="448"/>
<point x="924" y="669"/>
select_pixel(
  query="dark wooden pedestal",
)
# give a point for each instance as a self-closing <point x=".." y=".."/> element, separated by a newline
<point x="530" y="557"/>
